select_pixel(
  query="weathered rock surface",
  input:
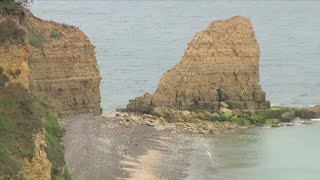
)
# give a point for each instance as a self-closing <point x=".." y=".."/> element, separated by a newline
<point x="56" y="62"/>
<point x="64" y="70"/>
<point x="220" y="64"/>
<point x="39" y="167"/>
<point x="14" y="48"/>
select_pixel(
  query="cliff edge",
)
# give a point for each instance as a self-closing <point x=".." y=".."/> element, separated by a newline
<point x="219" y="66"/>
<point x="56" y="62"/>
<point x="46" y="69"/>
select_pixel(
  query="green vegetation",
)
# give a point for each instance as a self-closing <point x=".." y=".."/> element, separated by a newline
<point x="31" y="62"/>
<point x="240" y="121"/>
<point x="54" y="146"/>
<point x="21" y="116"/>
<point x="8" y="4"/>
<point x="65" y="176"/>
<point x="215" y="117"/>
<point x="55" y="34"/>
<point x="43" y="53"/>
<point x="272" y="116"/>
<point x="35" y="38"/>
<point x="3" y="78"/>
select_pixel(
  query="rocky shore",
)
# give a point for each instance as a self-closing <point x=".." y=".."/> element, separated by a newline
<point x="213" y="89"/>
<point x="49" y="69"/>
<point x="113" y="147"/>
<point x="216" y="85"/>
<point x="124" y="145"/>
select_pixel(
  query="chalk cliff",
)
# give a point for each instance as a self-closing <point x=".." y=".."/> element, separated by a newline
<point x="220" y="64"/>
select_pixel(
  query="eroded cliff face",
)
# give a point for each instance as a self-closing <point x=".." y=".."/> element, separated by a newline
<point x="56" y="62"/>
<point x="220" y="64"/>
<point x="42" y="64"/>
<point x="63" y="68"/>
<point x="14" y="49"/>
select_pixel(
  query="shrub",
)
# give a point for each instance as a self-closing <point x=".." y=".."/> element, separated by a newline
<point x="9" y="165"/>
<point x="19" y="120"/>
<point x="284" y="119"/>
<point x="52" y="125"/>
<point x="245" y="115"/>
<point x="215" y="117"/>
<point x="8" y="4"/>
<point x="65" y="176"/>
<point x="31" y="62"/>
<point x="3" y="79"/>
<point x="273" y="112"/>
<point x="55" y="34"/>
<point x="35" y="38"/>
<point x="259" y="118"/>
<point x="240" y="121"/>
<point x="2" y="122"/>
<point x="55" y="150"/>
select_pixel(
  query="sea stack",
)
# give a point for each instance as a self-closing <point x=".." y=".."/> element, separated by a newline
<point x="220" y="67"/>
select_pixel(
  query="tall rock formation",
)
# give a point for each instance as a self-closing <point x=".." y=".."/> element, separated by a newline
<point x="56" y="62"/>
<point x="41" y="62"/>
<point x="220" y="64"/>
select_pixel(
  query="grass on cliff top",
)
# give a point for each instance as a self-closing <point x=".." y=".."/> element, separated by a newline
<point x="9" y="4"/>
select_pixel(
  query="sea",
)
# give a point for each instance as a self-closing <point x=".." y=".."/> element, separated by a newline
<point x="137" y="41"/>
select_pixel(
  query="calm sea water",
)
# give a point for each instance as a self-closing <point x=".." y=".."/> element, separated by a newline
<point x="288" y="153"/>
<point x="137" y="41"/>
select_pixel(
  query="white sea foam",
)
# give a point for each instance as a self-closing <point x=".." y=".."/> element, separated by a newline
<point x="315" y="119"/>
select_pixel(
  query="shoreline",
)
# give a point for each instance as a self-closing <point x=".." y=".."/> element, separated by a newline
<point x="126" y="146"/>
<point x="109" y="148"/>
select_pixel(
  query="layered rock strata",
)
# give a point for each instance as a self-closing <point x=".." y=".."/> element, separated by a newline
<point x="220" y="64"/>
<point x="56" y="62"/>
<point x="63" y="69"/>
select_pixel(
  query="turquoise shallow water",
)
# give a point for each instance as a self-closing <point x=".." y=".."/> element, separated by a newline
<point x="136" y="42"/>
<point x="287" y="153"/>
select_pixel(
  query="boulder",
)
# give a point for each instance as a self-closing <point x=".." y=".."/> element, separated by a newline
<point x="159" y="112"/>
<point x="140" y="104"/>
<point x="316" y="111"/>
<point x="291" y="114"/>
<point x="223" y="105"/>
<point x="305" y="113"/>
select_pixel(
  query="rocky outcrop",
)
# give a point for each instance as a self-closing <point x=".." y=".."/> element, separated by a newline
<point x="56" y="62"/>
<point x="63" y="68"/>
<point x="39" y="167"/>
<point x="220" y="64"/>
<point x="14" y="49"/>
<point x="42" y="64"/>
